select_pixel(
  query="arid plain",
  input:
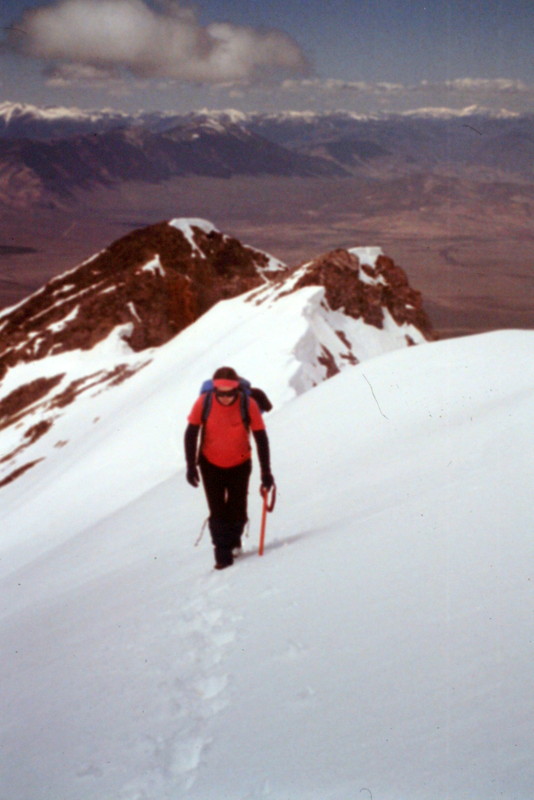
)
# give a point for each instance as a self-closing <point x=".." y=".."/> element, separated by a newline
<point x="465" y="240"/>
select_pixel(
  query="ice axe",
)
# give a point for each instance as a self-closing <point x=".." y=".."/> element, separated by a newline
<point x="269" y="499"/>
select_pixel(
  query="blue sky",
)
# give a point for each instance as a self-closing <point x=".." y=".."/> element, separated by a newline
<point x="361" y="55"/>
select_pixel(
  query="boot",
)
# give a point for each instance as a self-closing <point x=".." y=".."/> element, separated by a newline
<point x="222" y="543"/>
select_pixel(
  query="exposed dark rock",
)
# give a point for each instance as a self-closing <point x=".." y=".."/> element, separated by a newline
<point x="329" y="362"/>
<point x="38" y="430"/>
<point x="18" y="472"/>
<point x="25" y="396"/>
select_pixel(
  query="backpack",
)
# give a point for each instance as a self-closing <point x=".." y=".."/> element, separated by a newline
<point x="246" y="391"/>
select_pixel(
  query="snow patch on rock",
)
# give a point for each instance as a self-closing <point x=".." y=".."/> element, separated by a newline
<point x="154" y="267"/>
<point x="185" y="225"/>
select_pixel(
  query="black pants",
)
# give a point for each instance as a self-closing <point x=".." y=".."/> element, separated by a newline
<point x="226" y="492"/>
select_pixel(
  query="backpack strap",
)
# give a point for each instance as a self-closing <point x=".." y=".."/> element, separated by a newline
<point x="206" y="406"/>
<point x="243" y="400"/>
<point x="244" y="407"/>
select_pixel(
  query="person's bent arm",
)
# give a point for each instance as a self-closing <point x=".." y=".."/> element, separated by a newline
<point x="264" y="457"/>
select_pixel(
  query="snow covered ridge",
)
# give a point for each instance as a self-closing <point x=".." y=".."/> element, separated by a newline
<point x="99" y="324"/>
<point x="351" y="306"/>
<point x="25" y="119"/>
<point x="363" y="284"/>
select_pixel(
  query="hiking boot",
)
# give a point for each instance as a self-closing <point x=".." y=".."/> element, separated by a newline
<point x="223" y="557"/>
<point x="222" y="566"/>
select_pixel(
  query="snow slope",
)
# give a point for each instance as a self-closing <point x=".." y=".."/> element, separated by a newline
<point x="381" y="647"/>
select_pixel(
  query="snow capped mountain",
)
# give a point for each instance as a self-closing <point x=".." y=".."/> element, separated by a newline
<point x="10" y="111"/>
<point x="96" y="326"/>
<point x="23" y="119"/>
<point x="226" y="116"/>
<point x="382" y="644"/>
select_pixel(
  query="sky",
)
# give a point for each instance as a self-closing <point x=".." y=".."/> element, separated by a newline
<point x="269" y="55"/>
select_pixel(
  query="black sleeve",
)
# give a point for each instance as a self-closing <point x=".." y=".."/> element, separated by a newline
<point x="190" y="443"/>
<point x="262" y="445"/>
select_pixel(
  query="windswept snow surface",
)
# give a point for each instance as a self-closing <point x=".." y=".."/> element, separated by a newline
<point x="382" y="646"/>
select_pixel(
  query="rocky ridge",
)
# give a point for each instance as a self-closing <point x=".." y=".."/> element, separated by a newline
<point x="115" y="309"/>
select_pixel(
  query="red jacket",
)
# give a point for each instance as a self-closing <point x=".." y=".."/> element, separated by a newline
<point x="226" y="442"/>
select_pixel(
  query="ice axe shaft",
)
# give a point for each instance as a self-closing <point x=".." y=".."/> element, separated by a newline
<point x="268" y="505"/>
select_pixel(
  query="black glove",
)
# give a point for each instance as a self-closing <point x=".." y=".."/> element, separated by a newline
<point x="192" y="476"/>
<point x="267" y="481"/>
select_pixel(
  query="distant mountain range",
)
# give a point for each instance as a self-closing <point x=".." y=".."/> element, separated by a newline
<point x="33" y="169"/>
<point x="47" y="154"/>
<point x="22" y="120"/>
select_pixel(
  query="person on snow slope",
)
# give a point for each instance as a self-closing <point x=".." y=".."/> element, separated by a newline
<point x="225" y="459"/>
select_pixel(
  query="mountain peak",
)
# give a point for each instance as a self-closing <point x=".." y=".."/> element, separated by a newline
<point x="151" y="284"/>
<point x="187" y="226"/>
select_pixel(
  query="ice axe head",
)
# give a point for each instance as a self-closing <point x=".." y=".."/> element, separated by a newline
<point x="268" y="505"/>
<point x="268" y="501"/>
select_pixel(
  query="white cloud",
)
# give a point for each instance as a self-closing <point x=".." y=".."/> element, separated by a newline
<point x="168" y="43"/>
<point x="336" y="85"/>
<point x="460" y="92"/>
<point x="499" y="85"/>
<point x="459" y="86"/>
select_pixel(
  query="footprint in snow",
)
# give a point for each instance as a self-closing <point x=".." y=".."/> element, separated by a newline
<point x="211" y="687"/>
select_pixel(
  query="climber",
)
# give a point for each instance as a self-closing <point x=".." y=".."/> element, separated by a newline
<point x="225" y="412"/>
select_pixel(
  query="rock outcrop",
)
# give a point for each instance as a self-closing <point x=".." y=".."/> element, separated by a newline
<point x="365" y="284"/>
